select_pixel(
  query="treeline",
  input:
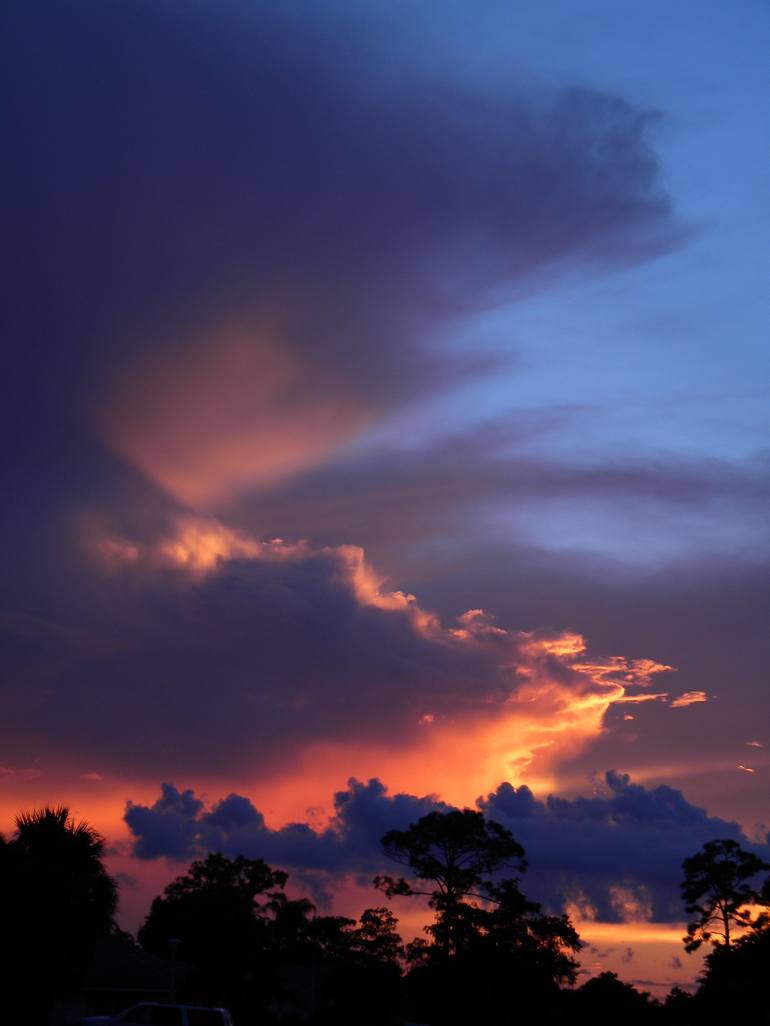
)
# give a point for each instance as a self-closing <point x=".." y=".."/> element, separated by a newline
<point x="225" y="933"/>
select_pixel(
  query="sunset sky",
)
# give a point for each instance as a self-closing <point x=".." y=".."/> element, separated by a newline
<point x="385" y="428"/>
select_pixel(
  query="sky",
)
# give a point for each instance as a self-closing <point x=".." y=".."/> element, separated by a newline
<point x="384" y="429"/>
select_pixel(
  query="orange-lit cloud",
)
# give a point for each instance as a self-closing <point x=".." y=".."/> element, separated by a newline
<point x="689" y="698"/>
<point x="545" y="702"/>
<point x="632" y="904"/>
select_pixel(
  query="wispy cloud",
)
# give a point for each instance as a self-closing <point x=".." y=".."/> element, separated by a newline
<point x="689" y="698"/>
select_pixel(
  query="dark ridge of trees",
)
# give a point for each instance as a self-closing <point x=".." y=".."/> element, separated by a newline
<point x="270" y="957"/>
<point x="226" y="933"/>
<point x="605" y="1000"/>
<point x="735" y="982"/>
<point x="215" y="913"/>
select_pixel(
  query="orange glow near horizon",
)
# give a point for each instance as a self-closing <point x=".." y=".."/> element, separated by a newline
<point x="549" y="702"/>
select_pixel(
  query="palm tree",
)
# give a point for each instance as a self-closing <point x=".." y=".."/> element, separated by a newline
<point x="58" y="904"/>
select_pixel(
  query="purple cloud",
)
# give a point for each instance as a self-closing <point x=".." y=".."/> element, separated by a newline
<point x="582" y="852"/>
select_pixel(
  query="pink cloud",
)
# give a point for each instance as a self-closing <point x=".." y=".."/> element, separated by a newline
<point x="228" y="413"/>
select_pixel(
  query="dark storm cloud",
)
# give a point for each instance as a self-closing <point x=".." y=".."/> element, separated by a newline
<point x="189" y="142"/>
<point x="620" y="850"/>
<point x="616" y="856"/>
<point x="175" y="164"/>
<point x="178" y="827"/>
<point x="241" y="668"/>
<point x="176" y="168"/>
<point x="211" y="649"/>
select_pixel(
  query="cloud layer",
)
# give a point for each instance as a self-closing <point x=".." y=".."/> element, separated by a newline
<point x="256" y="230"/>
<point x="613" y="857"/>
<point x="217" y="649"/>
<point x="256" y="242"/>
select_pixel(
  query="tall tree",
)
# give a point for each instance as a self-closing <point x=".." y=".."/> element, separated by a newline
<point x="734" y="984"/>
<point x="458" y="852"/>
<point x="717" y="891"/>
<point x="485" y="929"/>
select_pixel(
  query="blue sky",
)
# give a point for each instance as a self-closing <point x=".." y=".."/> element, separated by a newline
<point x="667" y="361"/>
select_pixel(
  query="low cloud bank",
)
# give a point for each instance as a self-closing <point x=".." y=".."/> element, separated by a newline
<point x="615" y="856"/>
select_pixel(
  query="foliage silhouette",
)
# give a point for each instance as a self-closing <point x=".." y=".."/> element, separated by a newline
<point x="762" y="921"/>
<point x="681" y="1008"/>
<point x="213" y="911"/>
<point x="458" y="851"/>
<point x="266" y="955"/>
<point x="359" y="967"/>
<point x="542" y="944"/>
<point x="605" y="1000"/>
<point x="485" y="929"/>
<point x="734" y="983"/>
<point x="58" y="904"/>
<point x="717" y="890"/>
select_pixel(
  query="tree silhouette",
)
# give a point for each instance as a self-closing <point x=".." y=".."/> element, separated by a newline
<point x="253" y="947"/>
<point x="212" y="910"/>
<point x="542" y="945"/>
<point x="762" y="923"/>
<point x="605" y="1000"/>
<point x="716" y="890"/>
<point x="357" y="967"/>
<point x="458" y="852"/>
<point x="485" y="930"/>
<point x="231" y="923"/>
<point x="376" y="938"/>
<point x="58" y="904"/>
<point x="734" y="984"/>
